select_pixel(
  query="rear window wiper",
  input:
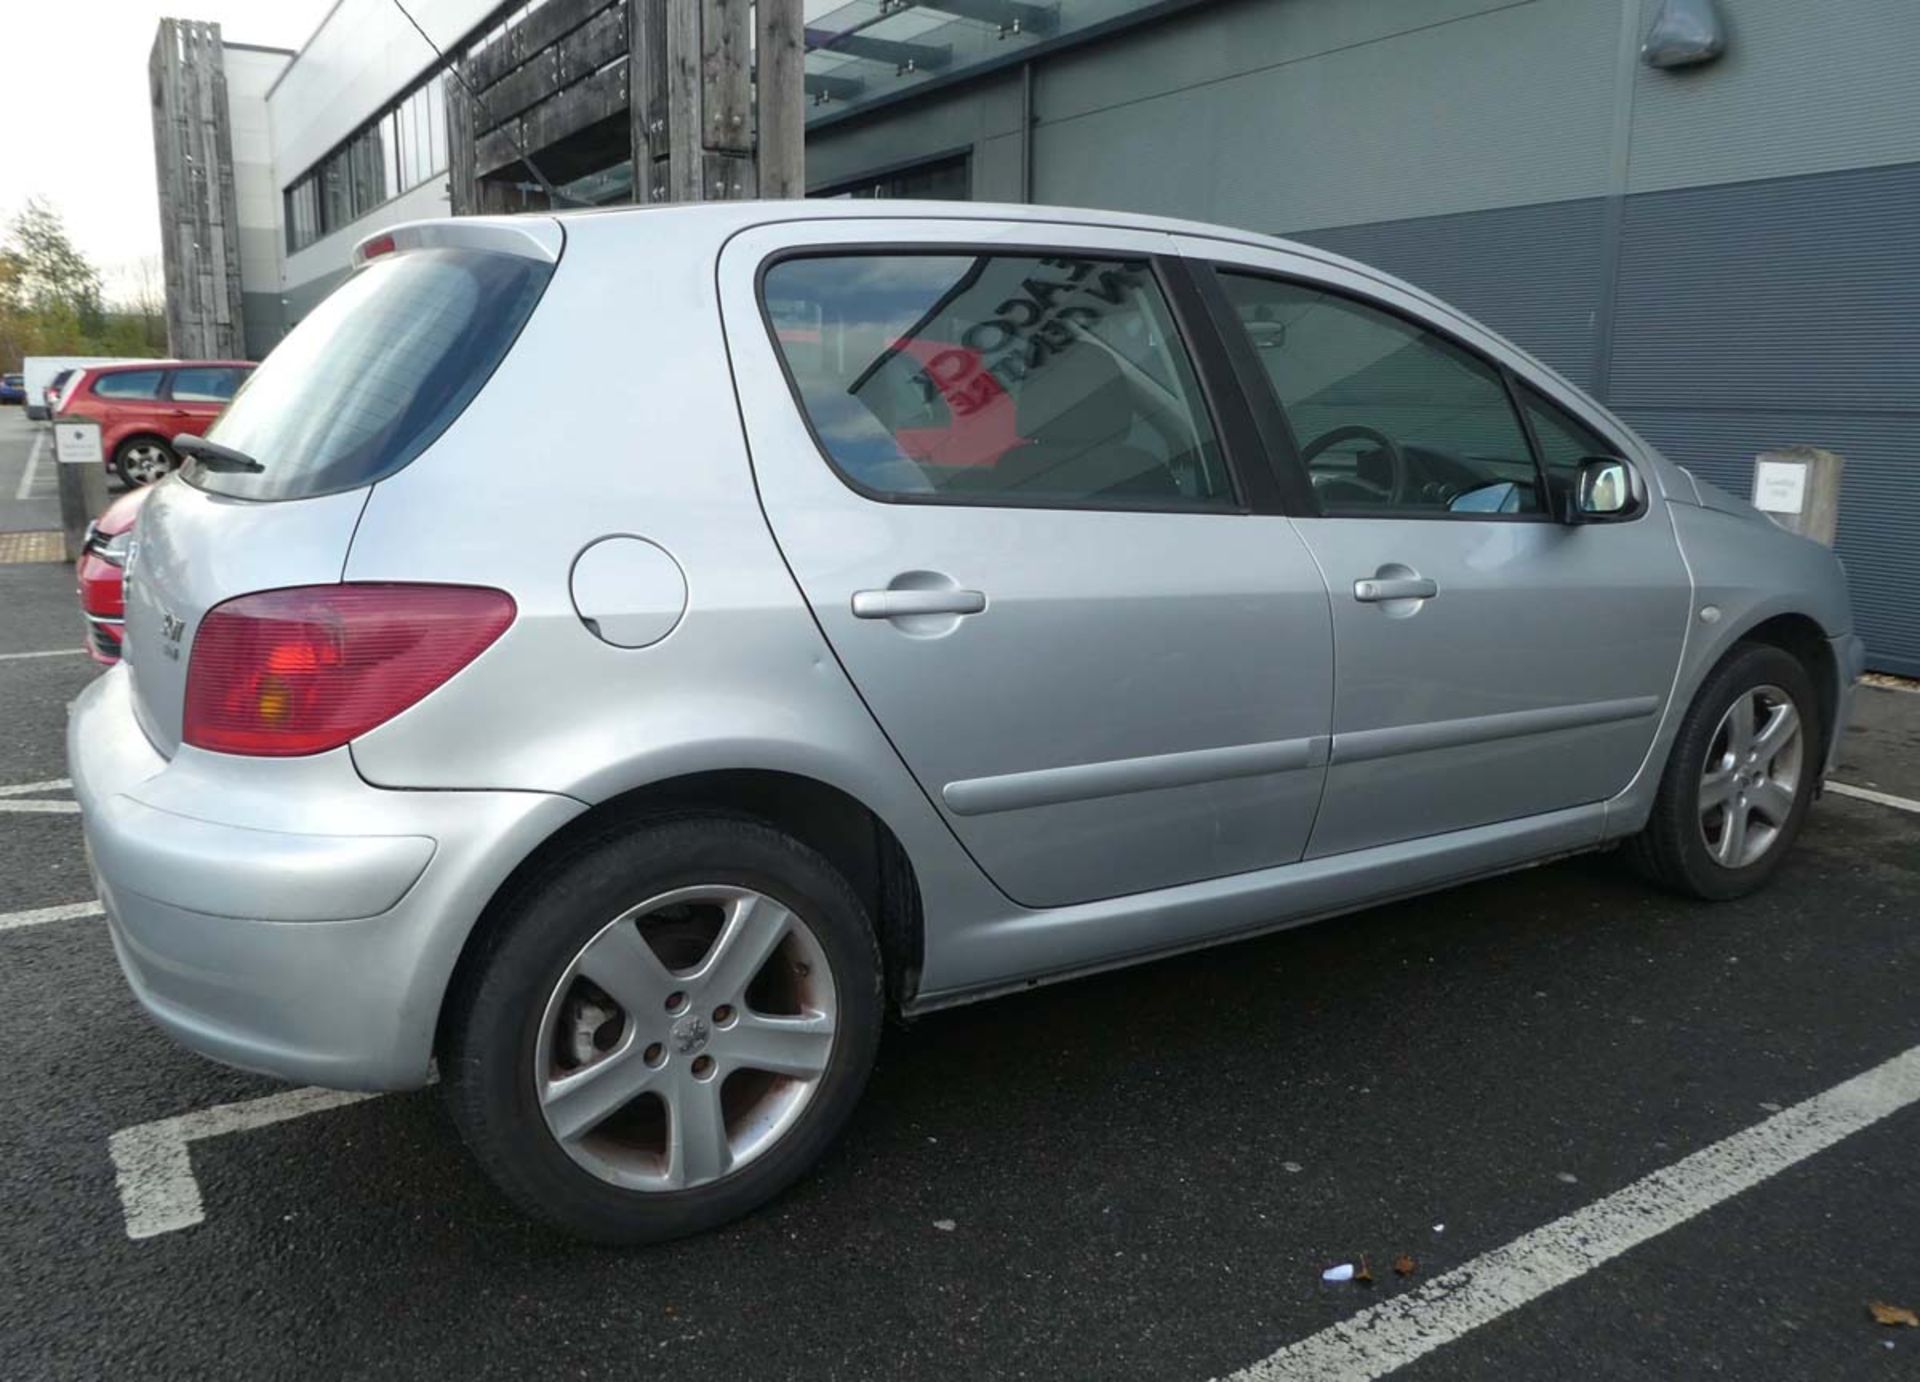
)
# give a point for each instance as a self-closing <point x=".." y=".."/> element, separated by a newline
<point x="214" y="456"/>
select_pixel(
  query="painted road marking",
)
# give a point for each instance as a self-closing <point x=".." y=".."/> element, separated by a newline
<point x="158" y="1193"/>
<point x="27" y="789"/>
<point x="50" y="652"/>
<point x="39" y="916"/>
<point x="33" y="465"/>
<point x="1393" y="1333"/>
<point x="10" y="798"/>
<point x="1879" y="798"/>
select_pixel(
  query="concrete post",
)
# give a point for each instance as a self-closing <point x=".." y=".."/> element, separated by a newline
<point x="83" y="479"/>
<point x="1798" y="487"/>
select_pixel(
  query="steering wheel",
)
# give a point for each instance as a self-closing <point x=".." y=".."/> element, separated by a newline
<point x="1399" y="491"/>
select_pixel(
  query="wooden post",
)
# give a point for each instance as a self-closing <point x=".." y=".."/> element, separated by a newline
<point x="1798" y="487"/>
<point x="780" y="91"/>
<point x="715" y="115"/>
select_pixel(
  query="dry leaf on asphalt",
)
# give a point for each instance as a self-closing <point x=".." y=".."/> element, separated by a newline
<point x="1403" y="1264"/>
<point x="1365" y="1275"/>
<point x="1892" y="1314"/>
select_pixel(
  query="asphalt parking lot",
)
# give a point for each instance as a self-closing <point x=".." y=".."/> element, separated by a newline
<point x="1142" y="1174"/>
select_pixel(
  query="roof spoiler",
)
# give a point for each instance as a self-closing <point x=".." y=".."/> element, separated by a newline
<point x="529" y="237"/>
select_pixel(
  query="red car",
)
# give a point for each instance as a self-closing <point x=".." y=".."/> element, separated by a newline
<point x="102" y="574"/>
<point x="142" y="407"/>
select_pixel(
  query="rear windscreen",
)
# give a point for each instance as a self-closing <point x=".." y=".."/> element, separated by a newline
<point x="375" y="373"/>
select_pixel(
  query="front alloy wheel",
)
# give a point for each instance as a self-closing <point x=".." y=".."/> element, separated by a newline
<point x="1752" y="777"/>
<point x="1738" y="780"/>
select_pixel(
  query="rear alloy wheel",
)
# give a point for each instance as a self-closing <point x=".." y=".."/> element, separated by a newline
<point x="666" y="1029"/>
<point x="1738" y="781"/>
<point x="685" y="1038"/>
<point x="144" y="461"/>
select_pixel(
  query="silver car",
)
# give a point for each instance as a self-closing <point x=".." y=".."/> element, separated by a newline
<point x="618" y="658"/>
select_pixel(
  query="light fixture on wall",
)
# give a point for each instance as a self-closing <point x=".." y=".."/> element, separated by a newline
<point x="1684" y="33"/>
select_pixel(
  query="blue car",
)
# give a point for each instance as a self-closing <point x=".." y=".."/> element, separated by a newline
<point x="13" y="388"/>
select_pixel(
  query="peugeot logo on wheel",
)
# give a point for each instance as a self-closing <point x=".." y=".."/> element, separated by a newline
<point x="689" y="1034"/>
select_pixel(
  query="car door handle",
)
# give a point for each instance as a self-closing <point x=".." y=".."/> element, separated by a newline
<point x="1374" y="589"/>
<point x="893" y="604"/>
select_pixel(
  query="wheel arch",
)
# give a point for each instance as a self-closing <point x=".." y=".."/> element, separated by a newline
<point x="850" y="835"/>
<point x="1802" y="637"/>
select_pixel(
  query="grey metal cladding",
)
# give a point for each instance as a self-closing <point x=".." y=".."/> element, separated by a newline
<point x="1783" y="312"/>
<point x="1791" y="292"/>
<point x="1879" y="502"/>
<point x="1803" y="88"/>
<point x="1530" y="272"/>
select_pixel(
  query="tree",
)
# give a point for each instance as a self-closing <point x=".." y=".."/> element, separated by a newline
<point x="51" y="301"/>
<point x="52" y="272"/>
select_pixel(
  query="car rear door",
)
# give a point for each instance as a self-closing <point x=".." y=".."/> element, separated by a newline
<point x="1493" y="663"/>
<point x="197" y="393"/>
<point x="989" y="457"/>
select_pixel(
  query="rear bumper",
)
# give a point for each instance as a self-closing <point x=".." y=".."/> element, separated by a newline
<point x="282" y="915"/>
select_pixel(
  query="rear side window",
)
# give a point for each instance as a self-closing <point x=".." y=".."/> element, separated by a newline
<point x="375" y="373"/>
<point x="205" y="385"/>
<point x="996" y="379"/>
<point x="144" y="383"/>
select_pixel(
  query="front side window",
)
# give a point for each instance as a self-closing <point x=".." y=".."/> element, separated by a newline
<point x="143" y="383"/>
<point x="1388" y="417"/>
<point x="990" y="378"/>
<point x="205" y="385"/>
<point x="375" y="373"/>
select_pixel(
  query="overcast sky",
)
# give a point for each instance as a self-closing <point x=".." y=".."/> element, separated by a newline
<point x="77" y="128"/>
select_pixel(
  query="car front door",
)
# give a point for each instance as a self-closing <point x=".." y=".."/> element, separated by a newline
<point x="1492" y="661"/>
<point x="1010" y="501"/>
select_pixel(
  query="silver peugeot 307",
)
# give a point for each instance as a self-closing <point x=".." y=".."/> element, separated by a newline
<point x="903" y="606"/>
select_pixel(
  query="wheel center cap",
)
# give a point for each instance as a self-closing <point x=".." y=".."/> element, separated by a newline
<point x="690" y="1034"/>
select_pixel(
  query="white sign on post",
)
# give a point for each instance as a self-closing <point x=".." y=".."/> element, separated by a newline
<point x="1780" y="487"/>
<point x="77" y="442"/>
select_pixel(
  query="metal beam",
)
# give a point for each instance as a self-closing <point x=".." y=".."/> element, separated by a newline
<point x="924" y="57"/>
<point x="833" y="88"/>
<point x="1006" y="15"/>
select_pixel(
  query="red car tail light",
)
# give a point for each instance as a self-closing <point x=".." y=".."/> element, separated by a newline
<point x="298" y="671"/>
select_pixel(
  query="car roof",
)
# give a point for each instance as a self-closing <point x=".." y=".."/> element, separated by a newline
<point x="120" y="367"/>
<point x="743" y="213"/>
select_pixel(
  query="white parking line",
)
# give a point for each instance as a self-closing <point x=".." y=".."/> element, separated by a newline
<point x="50" y="652"/>
<point x="39" y="916"/>
<point x="158" y="1193"/>
<point x="27" y="789"/>
<point x="33" y="465"/>
<point x="40" y="808"/>
<point x="1393" y="1333"/>
<point x="1878" y="798"/>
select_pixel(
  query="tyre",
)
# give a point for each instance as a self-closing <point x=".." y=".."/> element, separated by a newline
<point x="143" y="460"/>
<point x="664" y="1028"/>
<point x="1738" y="781"/>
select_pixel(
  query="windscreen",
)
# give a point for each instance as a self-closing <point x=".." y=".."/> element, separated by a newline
<point x="375" y="373"/>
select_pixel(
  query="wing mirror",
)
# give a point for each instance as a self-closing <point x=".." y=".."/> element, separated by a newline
<point x="1606" y="489"/>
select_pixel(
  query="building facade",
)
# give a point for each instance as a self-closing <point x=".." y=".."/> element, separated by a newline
<point x="1728" y="254"/>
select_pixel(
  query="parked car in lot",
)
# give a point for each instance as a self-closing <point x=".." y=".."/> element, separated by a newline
<point x="50" y="400"/>
<point x="101" y="575"/>
<point x="929" y="607"/>
<point x="13" y="388"/>
<point x="143" y="407"/>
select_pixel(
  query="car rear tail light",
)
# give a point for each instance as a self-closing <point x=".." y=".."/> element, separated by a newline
<point x="303" y="670"/>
